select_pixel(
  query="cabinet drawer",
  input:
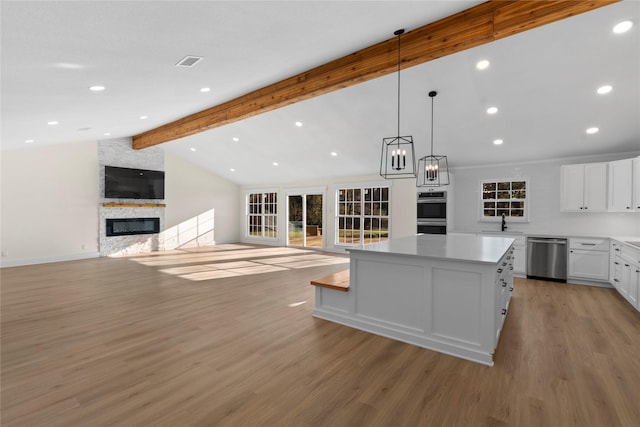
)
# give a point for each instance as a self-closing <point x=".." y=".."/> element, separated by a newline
<point x="631" y="254"/>
<point x="589" y="244"/>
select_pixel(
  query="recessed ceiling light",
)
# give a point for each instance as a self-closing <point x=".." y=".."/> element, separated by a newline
<point x="97" y="88"/>
<point x="144" y="117"/>
<point x="192" y="149"/>
<point x="205" y="89"/>
<point x="29" y="141"/>
<point x="299" y="124"/>
<point x="107" y="134"/>
<point x="53" y="123"/>
<point x="604" y="89"/>
<point x="622" y="27"/>
<point x="497" y="142"/>
<point x="334" y="154"/>
<point x="483" y="64"/>
<point x="232" y="170"/>
<point x="275" y="163"/>
<point x="236" y="139"/>
<point x="592" y="130"/>
<point x="492" y="110"/>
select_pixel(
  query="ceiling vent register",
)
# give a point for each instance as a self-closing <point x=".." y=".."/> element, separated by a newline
<point x="189" y="61"/>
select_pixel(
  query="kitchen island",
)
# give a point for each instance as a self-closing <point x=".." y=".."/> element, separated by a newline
<point x="445" y="293"/>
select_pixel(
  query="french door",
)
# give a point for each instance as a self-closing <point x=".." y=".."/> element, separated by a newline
<point x="305" y="220"/>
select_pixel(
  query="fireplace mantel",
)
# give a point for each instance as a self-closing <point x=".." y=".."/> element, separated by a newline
<point x="133" y="205"/>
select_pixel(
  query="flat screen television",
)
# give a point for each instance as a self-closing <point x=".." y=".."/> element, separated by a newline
<point x="126" y="183"/>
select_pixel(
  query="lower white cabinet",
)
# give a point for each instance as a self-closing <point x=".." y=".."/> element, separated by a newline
<point x="615" y="263"/>
<point x="519" y="253"/>
<point x="589" y="259"/>
<point x="625" y="271"/>
<point x="630" y="275"/>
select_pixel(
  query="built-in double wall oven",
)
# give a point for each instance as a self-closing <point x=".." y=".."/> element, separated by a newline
<point x="432" y="212"/>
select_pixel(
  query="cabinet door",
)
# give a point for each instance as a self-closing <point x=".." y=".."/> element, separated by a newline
<point x="519" y="260"/>
<point x="571" y="187"/>
<point x="636" y="184"/>
<point x="620" y="193"/>
<point x="595" y="187"/>
<point x="634" y="286"/>
<point x="625" y="279"/>
<point x="585" y="264"/>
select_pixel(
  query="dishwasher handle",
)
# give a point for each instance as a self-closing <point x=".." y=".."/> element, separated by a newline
<point x="549" y="241"/>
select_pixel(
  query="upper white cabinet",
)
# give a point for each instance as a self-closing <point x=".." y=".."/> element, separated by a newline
<point x="620" y="185"/>
<point x="584" y="187"/>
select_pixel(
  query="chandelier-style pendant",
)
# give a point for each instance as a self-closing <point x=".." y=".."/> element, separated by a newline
<point x="398" y="155"/>
<point x="433" y="171"/>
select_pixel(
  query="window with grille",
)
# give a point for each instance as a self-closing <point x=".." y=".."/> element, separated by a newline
<point x="508" y="197"/>
<point x="362" y="215"/>
<point x="262" y="215"/>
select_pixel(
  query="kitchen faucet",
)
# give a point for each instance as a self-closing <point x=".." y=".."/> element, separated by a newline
<point x="504" y="223"/>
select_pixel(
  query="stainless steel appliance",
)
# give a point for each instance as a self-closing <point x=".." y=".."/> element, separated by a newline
<point x="432" y="212"/>
<point x="547" y="258"/>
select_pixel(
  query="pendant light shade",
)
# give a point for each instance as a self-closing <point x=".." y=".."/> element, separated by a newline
<point x="398" y="154"/>
<point x="433" y="171"/>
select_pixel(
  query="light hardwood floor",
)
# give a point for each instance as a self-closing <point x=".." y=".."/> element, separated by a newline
<point x="224" y="336"/>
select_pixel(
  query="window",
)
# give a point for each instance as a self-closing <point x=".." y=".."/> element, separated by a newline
<point x="262" y="215"/>
<point x="362" y="215"/>
<point x="508" y="197"/>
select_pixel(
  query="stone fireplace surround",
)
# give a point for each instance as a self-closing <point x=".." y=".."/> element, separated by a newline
<point x="118" y="152"/>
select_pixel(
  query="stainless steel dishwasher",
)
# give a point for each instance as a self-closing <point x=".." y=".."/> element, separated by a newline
<point x="547" y="258"/>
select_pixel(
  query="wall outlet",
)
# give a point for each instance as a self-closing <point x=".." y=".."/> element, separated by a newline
<point x="5" y="253"/>
<point x="83" y="247"/>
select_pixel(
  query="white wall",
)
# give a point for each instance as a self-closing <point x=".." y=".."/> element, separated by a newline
<point x="191" y="191"/>
<point x="544" y="202"/>
<point x="403" y="206"/>
<point x="49" y="203"/>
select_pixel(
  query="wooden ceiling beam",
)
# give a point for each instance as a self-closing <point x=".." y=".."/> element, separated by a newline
<point x="473" y="27"/>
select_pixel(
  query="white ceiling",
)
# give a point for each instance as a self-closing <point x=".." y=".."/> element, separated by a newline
<point x="543" y="81"/>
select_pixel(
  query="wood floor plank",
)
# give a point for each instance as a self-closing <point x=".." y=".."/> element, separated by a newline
<point x="156" y="339"/>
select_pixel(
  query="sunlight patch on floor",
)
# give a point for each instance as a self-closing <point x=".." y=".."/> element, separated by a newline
<point x="199" y="264"/>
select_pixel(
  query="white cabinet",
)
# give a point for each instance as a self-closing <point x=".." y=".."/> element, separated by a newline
<point x="520" y="258"/>
<point x="519" y="252"/>
<point x="583" y="187"/>
<point x="620" y="188"/>
<point x="589" y="259"/>
<point x="615" y="263"/>
<point x="630" y="275"/>
<point x="635" y="185"/>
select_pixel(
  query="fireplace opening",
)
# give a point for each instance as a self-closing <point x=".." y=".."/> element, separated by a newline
<point x="132" y="226"/>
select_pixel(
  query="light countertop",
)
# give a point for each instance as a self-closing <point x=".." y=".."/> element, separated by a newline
<point x="467" y="247"/>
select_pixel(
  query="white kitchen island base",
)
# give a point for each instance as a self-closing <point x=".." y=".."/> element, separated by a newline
<point x="448" y="294"/>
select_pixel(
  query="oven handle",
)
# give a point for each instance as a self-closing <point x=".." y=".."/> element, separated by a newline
<point x="438" y="223"/>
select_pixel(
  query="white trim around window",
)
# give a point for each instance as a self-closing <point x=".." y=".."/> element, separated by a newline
<point x="508" y="196"/>
<point x="261" y="214"/>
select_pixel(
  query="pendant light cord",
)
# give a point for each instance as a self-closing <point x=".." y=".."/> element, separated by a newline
<point x="432" y="95"/>
<point x="399" y="89"/>
<point x="432" y="126"/>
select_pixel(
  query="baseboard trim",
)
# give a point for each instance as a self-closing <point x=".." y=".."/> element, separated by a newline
<point x="46" y="260"/>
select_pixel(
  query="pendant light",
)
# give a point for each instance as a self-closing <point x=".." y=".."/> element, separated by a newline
<point x="433" y="171"/>
<point x="398" y="155"/>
